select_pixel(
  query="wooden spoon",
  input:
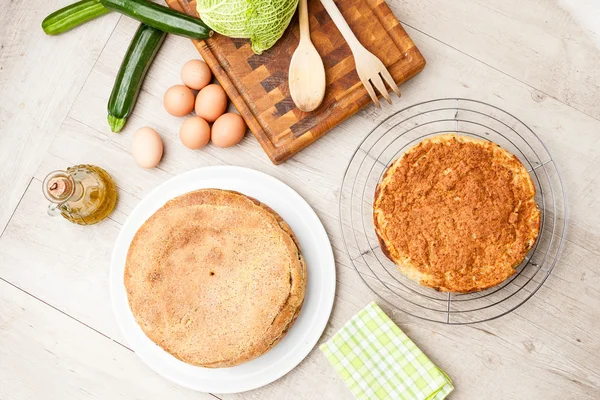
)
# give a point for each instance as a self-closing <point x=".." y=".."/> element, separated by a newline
<point x="307" y="73"/>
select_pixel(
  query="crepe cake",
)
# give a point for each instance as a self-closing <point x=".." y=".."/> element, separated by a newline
<point x="456" y="214"/>
<point x="215" y="278"/>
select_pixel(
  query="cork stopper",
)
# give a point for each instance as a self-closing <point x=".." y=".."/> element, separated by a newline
<point x="58" y="186"/>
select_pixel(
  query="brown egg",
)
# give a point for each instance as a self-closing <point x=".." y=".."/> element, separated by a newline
<point x="179" y="100"/>
<point x="211" y="102"/>
<point x="147" y="147"/>
<point x="195" y="74"/>
<point x="194" y="133"/>
<point x="228" y="130"/>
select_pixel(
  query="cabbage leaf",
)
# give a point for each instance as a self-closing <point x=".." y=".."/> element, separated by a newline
<point x="261" y="21"/>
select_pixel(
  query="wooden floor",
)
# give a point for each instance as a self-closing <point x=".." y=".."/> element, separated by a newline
<point x="538" y="59"/>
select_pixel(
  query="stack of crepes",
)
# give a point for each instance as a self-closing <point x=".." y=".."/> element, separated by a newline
<point x="215" y="278"/>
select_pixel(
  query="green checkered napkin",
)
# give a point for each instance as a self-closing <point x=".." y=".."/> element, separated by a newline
<point x="377" y="360"/>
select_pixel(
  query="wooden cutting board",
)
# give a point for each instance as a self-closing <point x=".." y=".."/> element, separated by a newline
<point x="258" y="84"/>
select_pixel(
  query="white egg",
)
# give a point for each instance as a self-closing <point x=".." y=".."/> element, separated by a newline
<point x="147" y="147"/>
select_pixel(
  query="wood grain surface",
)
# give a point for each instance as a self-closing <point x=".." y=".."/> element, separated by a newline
<point x="58" y="337"/>
<point x="258" y="84"/>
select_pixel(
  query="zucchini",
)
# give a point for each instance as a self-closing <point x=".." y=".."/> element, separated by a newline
<point x="161" y="17"/>
<point x="72" y="16"/>
<point x="139" y="56"/>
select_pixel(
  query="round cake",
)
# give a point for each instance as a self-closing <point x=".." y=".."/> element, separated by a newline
<point x="215" y="278"/>
<point x="456" y="214"/>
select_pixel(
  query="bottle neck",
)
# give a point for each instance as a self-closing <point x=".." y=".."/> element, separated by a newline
<point x="59" y="187"/>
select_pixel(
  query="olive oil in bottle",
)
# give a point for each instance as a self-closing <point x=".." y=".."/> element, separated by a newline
<point x="83" y="194"/>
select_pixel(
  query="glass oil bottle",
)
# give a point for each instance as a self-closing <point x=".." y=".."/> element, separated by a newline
<point x="83" y="194"/>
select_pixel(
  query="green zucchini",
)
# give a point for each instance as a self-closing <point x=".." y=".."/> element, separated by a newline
<point x="139" y="56"/>
<point x="161" y="17"/>
<point x="72" y="16"/>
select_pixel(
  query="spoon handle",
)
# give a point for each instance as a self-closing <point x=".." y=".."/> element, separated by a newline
<point x="304" y="25"/>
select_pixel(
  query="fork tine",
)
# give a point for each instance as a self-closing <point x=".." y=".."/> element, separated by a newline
<point x="371" y="92"/>
<point x="378" y="83"/>
<point x="390" y="81"/>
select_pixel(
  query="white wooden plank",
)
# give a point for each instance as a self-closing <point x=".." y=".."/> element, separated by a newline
<point x="546" y="349"/>
<point x="40" y="77"/>
<point x="316" y="174"/>
<point x="552" y="45"/>
<point x="60" y="253"/>
<point x="44" y="354"/>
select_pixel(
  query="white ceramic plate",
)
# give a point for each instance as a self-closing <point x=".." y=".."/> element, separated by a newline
<point x="320" y="291"/>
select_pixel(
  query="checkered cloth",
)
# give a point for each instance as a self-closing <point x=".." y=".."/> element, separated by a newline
<point x="377" y="360"/>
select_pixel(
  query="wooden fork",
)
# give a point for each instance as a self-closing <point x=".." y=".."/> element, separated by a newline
<point x="368" y="66"/>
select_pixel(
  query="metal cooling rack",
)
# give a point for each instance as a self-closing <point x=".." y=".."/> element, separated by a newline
<point x="389" y="140"/>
